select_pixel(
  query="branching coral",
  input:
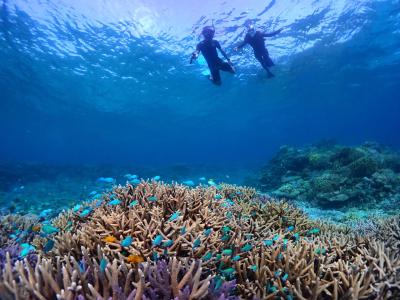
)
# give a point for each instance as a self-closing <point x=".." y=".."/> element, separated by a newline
<point x="175" y="242"/>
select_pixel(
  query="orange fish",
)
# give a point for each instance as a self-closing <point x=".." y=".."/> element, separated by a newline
<point x="36" y="228"/>
<point x="110" y="239"/>
<point x="134" y="259"/>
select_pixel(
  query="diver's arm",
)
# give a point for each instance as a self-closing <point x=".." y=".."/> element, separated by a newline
<point x="223" y="53"/>
<point x="240" y="46"/>
<point x="194" y="56"/>
<point x="270" y="34"/>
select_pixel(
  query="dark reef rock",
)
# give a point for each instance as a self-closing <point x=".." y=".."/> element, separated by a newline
<point x="333" y="175"/>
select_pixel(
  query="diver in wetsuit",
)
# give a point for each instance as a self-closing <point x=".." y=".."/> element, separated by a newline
<point x="256" y="39"/>
<point x="208" y="47"/>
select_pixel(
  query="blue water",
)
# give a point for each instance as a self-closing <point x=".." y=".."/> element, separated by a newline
<point x="109" y="82"/>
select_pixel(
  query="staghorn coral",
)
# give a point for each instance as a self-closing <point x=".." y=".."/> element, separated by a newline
<point x="194" y="241"/>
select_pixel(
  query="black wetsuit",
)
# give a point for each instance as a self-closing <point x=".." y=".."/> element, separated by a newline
<point x="257" y="42"/>
<point x="209" y="50"/>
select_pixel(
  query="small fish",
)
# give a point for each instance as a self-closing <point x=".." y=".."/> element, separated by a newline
<point x="285" y="277"/>
<point x="207" y="256"/>
<point x="208" y="231"/>
<point x="135" y="259"/>
<point x="229" y="271"/>
<point x="211" y="182"/>
<point x="114" y="202"/>
<point x="225" y="238"/>
<point x="268" y="242"/>
<point x="277" y="273"/>
<point x="290" y="228"/>
<point x="227" y="252"/>
<point x="92" y="193"/>
<point x="45" y="213"/>
<point x="26" y="249"/>
<point x="126" y="242"/>
<point x="135" y="181"/>
<point x="218" y="257"/>
<point x="236" y="258"/>
<point x="183" y="230"/>
<point x="280" y="256"/>
<point x="246" y="248"/>
<point x="103" y="264"/>
<point x="36" y="228"/>
<point x="229" y="215"/>
<point x="196" y="243"/>
<point x="133" y="203"/>
<point x="296" y="236"/>
<point x="48" y="246"/>
<point x="85" y="212"/>
<point x="156" y="178"/>
<point x="253" y="268"/>
<point x="276" y="237"/>
<point x="110" y="239"/>
<point x="49" y="229"/>
<point x="174" y="216"/>
<point x="226" y="229"/>
<point x="168" y="243"/>
<point x="188" y="183"/>
<point x="272" y="289"/>
<point x="202" y="179"/>
<point x="76" y="208"/>
<point x="152" y="199"/>
<point x="105" y="179"/>
<point x="314" y="231"/>
<point x="218" y="196"/>
<point x="157" y="240"/>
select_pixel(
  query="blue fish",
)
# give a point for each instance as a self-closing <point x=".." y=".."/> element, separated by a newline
<point x="188" y="183"/>
<point x="45" y="213"/>
<point x="208" y="231"/>
<point x="157" y="178"/>
<point x="225" y="238"/>
<point x="183" y="230"/>
<point x="296" y="236"/>
<point x="268" y="242"/>
<point x="207" y="256"/>
<point x="126" y="242"/>
<point x="76" y="208"/>
<point x="168" y="243"/>
<point x="152" y="199"/>
<point x="49" y="229"/>
<point x="202" y="179"/>
<point x="211" y="182"/>
<point x="290" y="228"/>
<point x="114" y="202"/>
<point x="246" y="248"/>
<point x="105" y="179"/>
<point x="174" y="216"/>
<point x="85" y="212"/>
<point x="196" y="243"/>
<point x="48" y="246"/>
<point x="218" y="196"/>
<point x="103" y="264"/>
<point x="26" y="249"/>
<point x="229" y="271"/>
<point x="285" y="277"/>
<point x="92" y="193"/>
<point x="157" y="240"/>
<point x="236" y="258"/>
<point x="226" y="229"/>
<point x="135" y="181"/>
<point x="253" y="268"/>
<point x="133" y="203"/>
<point x="227" y="252"/>
<point x="314" y="231"/>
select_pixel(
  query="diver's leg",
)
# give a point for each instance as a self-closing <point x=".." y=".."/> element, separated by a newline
<point x="263" y="59"/>
<point x="224" y="66"/>
<point x="215" y="76"/>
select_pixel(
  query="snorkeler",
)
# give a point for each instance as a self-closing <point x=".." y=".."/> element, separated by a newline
<point x="208" y="47"/>
<point x="256" y="40"/>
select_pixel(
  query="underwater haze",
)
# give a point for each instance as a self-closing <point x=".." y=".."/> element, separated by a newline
<point x="109" y="82"/>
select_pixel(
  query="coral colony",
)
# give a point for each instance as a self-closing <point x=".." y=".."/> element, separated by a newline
<point x="168" y="241"/>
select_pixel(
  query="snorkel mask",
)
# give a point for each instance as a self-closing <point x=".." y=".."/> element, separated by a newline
<point x="208" y="32"/>
<point x="251" y="30"/>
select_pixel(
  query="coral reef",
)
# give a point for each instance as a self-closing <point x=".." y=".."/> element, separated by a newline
<point x="159" y="241"/>
<point x="334" y="176"/>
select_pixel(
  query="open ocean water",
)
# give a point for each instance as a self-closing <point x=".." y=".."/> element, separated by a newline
<point x="98" y="93"/>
